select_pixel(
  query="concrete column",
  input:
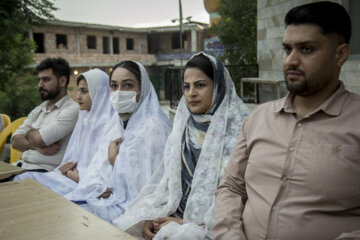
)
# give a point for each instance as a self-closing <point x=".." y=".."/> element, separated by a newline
<point x="31" y="35"/>
<point x="193" y="40"/>
<point x="78" y="42"/>
<point x="111" y="43"/>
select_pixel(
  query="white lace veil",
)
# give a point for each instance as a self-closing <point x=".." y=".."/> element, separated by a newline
<point x="86" y="137"/>
<point x="139" y="155"/>
<point x="162" y="194"/>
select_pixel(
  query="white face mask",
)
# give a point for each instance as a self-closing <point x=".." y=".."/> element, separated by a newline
<point x="124" y="101"/>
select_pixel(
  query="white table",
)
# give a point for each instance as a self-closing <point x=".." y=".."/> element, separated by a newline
<point x="28" y="210"/>
<point x="7" y="170"/>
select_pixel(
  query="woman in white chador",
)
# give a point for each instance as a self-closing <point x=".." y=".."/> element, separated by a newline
<point x="128" y="163"/>
<point x="177" y="203"/>
<point x="89" y="133"/>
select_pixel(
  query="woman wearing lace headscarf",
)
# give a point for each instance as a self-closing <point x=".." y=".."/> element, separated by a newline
<point x="128" y="163"/>
<point x="177" y="203"/>
<point x="89" y="132"/>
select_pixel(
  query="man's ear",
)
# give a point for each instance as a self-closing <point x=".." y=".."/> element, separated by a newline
<point x="62" y="81"/>
<point x="342" y="53"/>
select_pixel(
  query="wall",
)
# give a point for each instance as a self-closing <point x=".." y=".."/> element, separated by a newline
<point x="161" y="42"/>
<point x="82" y="59"/>
<point x="77" y="51"/>
<point x="271" y="14"/>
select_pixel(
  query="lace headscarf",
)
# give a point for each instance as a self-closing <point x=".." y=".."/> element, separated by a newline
<point x="162" y="194"/>
<point x="140" y="154"/>
<point x="195" y="132"/>
<point x="87" y="136"/>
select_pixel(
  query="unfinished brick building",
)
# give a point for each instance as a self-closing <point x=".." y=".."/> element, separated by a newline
<point x="87" y="46"/>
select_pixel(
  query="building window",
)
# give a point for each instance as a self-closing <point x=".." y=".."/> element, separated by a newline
<point x="354" y="10"/>
<point x="106" y="45"/>
<point x="39" y="40"/>
<point x="175" y="40"/>
<point x="91" y="42"/>
<point x="130" y="44"/>
<point x="61" y="41"/>
<point x="116" y="49"/>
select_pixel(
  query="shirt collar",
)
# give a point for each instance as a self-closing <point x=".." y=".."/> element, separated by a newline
<point x="58" y="104"/>
<point x="332" y="105"/>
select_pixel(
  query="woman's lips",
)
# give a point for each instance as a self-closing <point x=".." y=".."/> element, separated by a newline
<point x="193" y="103"/>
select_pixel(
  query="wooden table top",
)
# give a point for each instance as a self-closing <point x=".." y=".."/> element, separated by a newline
<point x="7" y="170"/>
<point x="28" y="210"/>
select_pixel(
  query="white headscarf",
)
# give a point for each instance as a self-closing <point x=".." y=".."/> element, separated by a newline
<point x="162" y="195"/>
<point x="139" y="155"/>
<point x="86" y="136"/>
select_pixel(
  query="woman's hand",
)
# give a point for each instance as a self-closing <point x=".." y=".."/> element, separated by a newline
<point x="106" y="194"/>
<point x="73" y="175"/>
<point x="113" y="150"/>
<point x="158" y="223"/>
<point x="148" y="230"/>
<point x="67" y="167"/>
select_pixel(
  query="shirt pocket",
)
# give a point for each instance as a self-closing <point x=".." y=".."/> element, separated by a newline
<point x="334" y="171"/>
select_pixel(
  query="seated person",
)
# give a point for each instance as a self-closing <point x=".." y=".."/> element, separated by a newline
<point x="89" y="132"/>
<point x="122" y="168"/>
<point x="45" y="133"/>
<point x="177" y="203"/>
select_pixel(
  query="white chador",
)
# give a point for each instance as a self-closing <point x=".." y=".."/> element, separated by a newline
<point x="139" y="155"/>
<point x="90" y="133"/>
<point x="162" y="195"/>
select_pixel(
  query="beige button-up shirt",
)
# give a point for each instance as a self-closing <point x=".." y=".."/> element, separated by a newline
<point x="54" y="124"/>
<point x="292" y="178"/>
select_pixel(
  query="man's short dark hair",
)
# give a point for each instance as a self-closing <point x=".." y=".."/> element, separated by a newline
<point x="330" y="16"/>
<point x="59" y="66"/>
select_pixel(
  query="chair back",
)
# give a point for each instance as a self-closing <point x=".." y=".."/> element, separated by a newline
<point x="15" y="154"/>
<point x="6" y="120"/>
<point x="4" y="134"/>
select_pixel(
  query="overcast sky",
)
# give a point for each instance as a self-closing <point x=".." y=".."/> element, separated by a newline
<point x="129" y="13"/>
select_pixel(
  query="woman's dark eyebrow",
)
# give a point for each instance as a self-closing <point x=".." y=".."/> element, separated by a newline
<point x="196" y="82"/>
<point x="127" y="80"/>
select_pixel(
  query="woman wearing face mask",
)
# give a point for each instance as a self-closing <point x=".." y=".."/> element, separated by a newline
<point x="89" y="132"/>
<point x="177" y="203"/>
<point x="128" y="163"/>
<point x="125" y="89"/>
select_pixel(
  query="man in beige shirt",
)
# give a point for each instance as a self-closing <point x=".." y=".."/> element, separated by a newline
<point x="294" y="173"/>
<point x="45" y="133"/>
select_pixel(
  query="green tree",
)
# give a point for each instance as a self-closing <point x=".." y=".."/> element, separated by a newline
<point x="18" y="93"/>
<point x="237" y="30"/>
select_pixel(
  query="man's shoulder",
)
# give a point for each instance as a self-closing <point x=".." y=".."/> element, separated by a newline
<point x="37" y="109"/>
<point x="70" y="103"/>
<point x="270" y="106"/>
<point x="69" y="108"/>
<point x="354" y="96"/>
<point x="351" y="105"/>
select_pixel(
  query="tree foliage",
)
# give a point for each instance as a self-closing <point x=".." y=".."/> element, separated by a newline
<point x="237" y="30"/>
<point x="18" y="94"/>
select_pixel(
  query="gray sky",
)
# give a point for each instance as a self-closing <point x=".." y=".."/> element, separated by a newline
<point x="129" y="13"/>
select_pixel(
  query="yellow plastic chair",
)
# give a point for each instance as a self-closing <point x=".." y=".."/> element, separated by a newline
<point x="15" y="155"/>
<point x="5" y="133"/>
<point x="6" y="120"/>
